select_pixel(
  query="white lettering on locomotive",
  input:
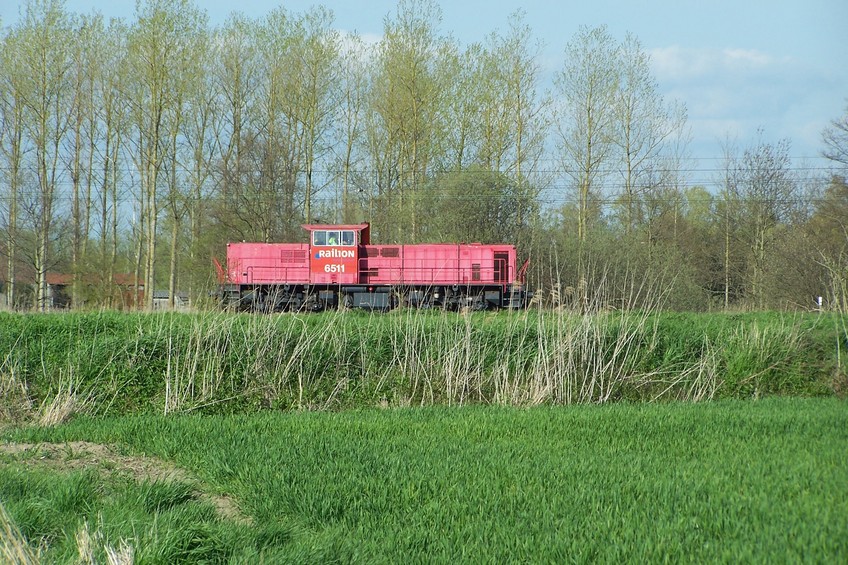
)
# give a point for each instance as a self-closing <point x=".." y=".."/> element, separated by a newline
<point x="328" y="268"/>
<point x="335" y="254"/>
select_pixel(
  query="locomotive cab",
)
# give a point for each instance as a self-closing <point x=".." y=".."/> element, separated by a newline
<point x="334" y="252"/>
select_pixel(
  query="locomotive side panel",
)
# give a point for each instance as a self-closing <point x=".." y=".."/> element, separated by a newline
<point x="431" y="264"/>
<point x="267" y="263"/>
<point x="382" y="265"/>
<point x="476" y="265"/>
<point x="504" y="270"/>
<point x="437" y="264"/>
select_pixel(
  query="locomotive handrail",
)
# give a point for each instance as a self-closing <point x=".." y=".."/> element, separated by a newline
<point x="222" y="275"/>
<point x="274" y="270"/>
<point x="434" y="275"/>
<point x="522" y="272"/>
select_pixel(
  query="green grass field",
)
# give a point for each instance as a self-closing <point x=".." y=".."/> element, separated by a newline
<point x="727" y="481"/>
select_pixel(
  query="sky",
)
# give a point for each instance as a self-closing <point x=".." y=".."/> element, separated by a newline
<point x="739" y="66"/>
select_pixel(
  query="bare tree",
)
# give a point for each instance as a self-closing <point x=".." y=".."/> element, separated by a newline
<point x="836" y="140"/>
<point x="160" y="44"/>
<point x="644" y="124"/>
<point x="827" y="232"/>
<point x="250" y="210"/>
<point x="760" y="194"/>
<point x="12" y="146"/>
<point x="585" y="119"/>
<point x="829" y="224"/>
<point x="730" y="218"/>
<point x="44" y="34"/>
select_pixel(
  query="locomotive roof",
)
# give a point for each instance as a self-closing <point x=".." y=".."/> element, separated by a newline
<point x="355" y="227"/>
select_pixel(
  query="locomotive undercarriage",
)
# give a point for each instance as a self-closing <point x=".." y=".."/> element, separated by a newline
<point x="303" y="298"/>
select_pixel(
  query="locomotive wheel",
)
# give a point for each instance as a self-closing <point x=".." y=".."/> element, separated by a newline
<point x="312" y="304"/>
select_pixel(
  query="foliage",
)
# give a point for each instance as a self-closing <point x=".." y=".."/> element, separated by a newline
<point x="477" y="205"/>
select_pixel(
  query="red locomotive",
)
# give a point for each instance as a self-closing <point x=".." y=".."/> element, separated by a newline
<point x="340" y="268"/>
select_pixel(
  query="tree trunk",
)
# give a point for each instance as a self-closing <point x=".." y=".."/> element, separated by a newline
<point x="172" y="277"/>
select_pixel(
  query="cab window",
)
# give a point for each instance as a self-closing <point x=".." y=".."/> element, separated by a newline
<point x="334" y="237"/>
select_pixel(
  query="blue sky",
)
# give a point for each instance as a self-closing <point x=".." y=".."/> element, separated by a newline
<point x="780" y="65"/>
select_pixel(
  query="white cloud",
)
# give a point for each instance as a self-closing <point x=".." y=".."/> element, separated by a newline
<point x="734" y="91"/>
<point x="677" y="63"/>
<point x="748" y="58"/>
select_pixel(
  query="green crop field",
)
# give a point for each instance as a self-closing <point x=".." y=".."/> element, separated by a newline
<point x="728" y="481"/>
<point x="423" y="437"/>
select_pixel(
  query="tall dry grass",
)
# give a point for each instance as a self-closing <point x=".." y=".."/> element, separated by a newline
<point x="69" y="399"/>
<point x="91" y="543"/>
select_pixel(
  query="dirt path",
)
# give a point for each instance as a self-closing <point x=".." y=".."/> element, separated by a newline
<point x="80" y="455"/>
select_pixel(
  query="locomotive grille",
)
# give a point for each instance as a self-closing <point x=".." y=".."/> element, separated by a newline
<point x="293" y="256"/>
<point x="390" y="252"/>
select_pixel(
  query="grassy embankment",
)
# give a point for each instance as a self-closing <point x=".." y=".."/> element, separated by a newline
<point x="729" y="481"/>
<point x="111" y="363"/>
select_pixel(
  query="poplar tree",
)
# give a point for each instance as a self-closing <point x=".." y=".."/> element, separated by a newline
<point x="112" y="113"/>
<point x="189" y="90"/>
<point x="315" y="93"/>
<point x="644" y="126"/>
<point x="276" y="155"/>
<point x="350" y="125"/>
<point x="12" y="110"/>
<point x="45" y="53"/>
<point x="406" y="104"/>
<point x="236" y="74"/>
<point x="159" y="48"/>
<point x="585" y="118"/>
<point x="200" y="131"/>
<point x="84" y="138"/>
